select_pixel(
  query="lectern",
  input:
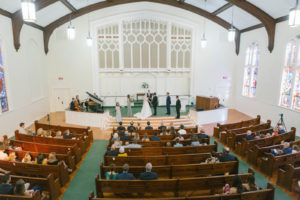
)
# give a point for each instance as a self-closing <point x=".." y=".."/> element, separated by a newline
<point x="207" y="103"/>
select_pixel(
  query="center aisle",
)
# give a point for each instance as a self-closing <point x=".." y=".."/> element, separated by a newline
<point x="84" y="180"/>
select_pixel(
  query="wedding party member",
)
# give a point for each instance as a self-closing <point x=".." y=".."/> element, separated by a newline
<point x="168" y="104"/>
<point x="146" y="110"/>
<point x="154" y="103"/>
<point x="129" y="111"/>
<point x="178" y="107"/>
<point x="72" y="104"/>
<point x="118" y="112"/>
<point x="149" y="96"/>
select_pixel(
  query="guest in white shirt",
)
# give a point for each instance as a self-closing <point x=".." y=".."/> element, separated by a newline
<point x="22" y="128"/>
<point x="182" y="131"/>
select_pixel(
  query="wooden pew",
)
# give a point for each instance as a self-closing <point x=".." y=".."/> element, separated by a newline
<point x="259" y="151"/>
<point x="81" y="132"/>
<point x="264" y="194"/>
<point x="270" y="163"/>
<point x="46" y="148"/>
<point x="67" y="158"/>
<point x="212" y="184"/>
<point x="157" y="160"/>
<point x="36" y="196"/>
<point x="147" y="151"/>
<point x="224" y="135"/>
<point x="246" y="145"/>
<point x="288" y="177"/>
<point x="48" y="184"/>
<point x="181" y="171"/>
<point x="35" y="170"/>
<point x="224" y="127"/>
<point x="237" y="138"/>
<point x="46" y="140"/>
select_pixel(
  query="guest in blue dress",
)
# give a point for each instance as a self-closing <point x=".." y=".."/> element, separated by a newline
<point x="111" y="174"/>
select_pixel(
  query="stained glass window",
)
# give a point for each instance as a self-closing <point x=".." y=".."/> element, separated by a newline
<point x="3" y="94"/>
<point x="251" y="71"/>
<point x="290" y="84"/>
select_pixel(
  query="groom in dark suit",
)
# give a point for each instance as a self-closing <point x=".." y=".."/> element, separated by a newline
<point x="168" y="103"/>
<point x="178" y="107"/>
<point x="154" y="103"/>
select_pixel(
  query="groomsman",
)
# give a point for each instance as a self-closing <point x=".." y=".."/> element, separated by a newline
<point x="178" y="107"/>
<point x="154" y="103"/>
<point x="168" y="103"/>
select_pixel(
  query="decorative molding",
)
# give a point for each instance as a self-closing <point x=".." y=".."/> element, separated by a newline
<point x="222" y="9"/>
<point x="105" y="4"/>
<point x="17" y="23"/>
<point x="268" y="22"/>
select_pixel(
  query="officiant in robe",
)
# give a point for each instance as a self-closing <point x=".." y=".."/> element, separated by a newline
<point x="154" y="103"/>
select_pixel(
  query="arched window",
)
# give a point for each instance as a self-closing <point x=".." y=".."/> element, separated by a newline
<point x="3" y="93"/>
<point x="251" y="70"/>
<point x="290" y="84"/>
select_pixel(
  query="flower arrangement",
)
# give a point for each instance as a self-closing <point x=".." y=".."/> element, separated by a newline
<point x="145" y="85"/>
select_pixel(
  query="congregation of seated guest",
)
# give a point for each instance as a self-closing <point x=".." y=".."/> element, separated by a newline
<point x="22" y="128"/>
<point x="155" y="137"/>
<point x="134" y="144"/>
<point x="111" y="174"/>
<point x="236" y="187"/>
<point x="138" y="126"/>
<point x="115" y="137"/>
<point x="249" y="135"/>
<point x="148" y="127"/>
<point x="213" y="158"/>
<point x="179" y="137"/>
<point x="67" y="135"/>
<point x="226" y="156"/>
<point x="285" y="150"/>
<point x="164" y="132"/>
<point x="121" y="127"/>
<point x="136" y="137"/>
<point x="4" y="142"/>
<point x="161" y="126"/>
<point x="126" y="137"/>
<point x="21" y="189"/>
<point x="121" y="133"/>
<point x="250" y="185"/>
<point x="295" y="148"/>
<point x="5" y="186"/>
<point x="125" y="175"/>
<point x="122" y="152"/>
<point x="275" y="131"/>
<point x="148" y="174"/>
<point x="177" y="143"/>
<point x="203" y="142"/>
<point x="172" y="131"/>
<point x="59" y="135"/>
<point x="112" y="151"/>
<point x="40" y="159"/>
<point x="131" y="128"/>
<point x="280" y="129"/>
<point x="27" y="158"/>
<point x="52" y="160"/>
<point x="202" y="135"/>
<point x="195" y="141"/>
<point x="171" y="126"/>
<point x="145" y="138"/>
<point x="181" y="131"/>
<point x="168" y="144"/>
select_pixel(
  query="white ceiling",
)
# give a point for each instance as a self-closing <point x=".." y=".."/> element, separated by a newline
<point x="275" y="8"/>
<point x="241" y="19"/>
<point x="57" y="10"/>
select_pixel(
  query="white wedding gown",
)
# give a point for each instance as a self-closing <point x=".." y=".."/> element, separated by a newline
<point x="146" y="110"/>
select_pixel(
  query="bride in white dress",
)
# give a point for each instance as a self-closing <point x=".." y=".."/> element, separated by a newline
<point x="146" y="110"/>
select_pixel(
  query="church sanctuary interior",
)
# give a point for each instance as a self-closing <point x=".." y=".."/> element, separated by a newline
<point x="149" y="99"/>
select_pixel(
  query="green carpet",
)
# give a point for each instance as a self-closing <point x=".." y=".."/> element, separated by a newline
<point x="84" y="180"/>
<point x="161" y="110"/>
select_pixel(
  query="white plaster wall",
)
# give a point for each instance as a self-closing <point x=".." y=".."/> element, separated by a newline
<point x="73" y="60"/>
<point x="26" y="77"/>
<point x="269" y="76"/>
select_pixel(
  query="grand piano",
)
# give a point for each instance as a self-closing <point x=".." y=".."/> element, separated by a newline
<point x="94" y="103"/>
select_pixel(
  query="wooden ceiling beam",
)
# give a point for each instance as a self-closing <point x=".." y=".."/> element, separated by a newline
<point x="48" y="30"/>
<point x="222" y="9"/>
<point x="5" y="13"/>
<point x="68" y="5"/>
<point x="268" y="22"/>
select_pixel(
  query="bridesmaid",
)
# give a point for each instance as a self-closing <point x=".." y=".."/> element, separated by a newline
<point x="118" y="112"/>
<point x="129" y="111"/>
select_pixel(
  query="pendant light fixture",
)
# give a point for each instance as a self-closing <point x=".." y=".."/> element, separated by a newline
<point x="294" y="16"/>
<point x="71" y="32"/>
<point x="203" y="39"/>
<point x="231" y="30"/>
<point x="28" y="10"/>
<point x="89" y="39"/>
